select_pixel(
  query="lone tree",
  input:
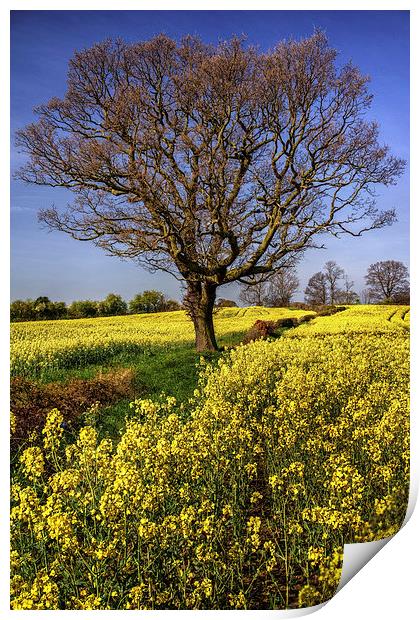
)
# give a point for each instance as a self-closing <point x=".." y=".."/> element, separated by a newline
<point x="282" y="285"/>
<point x="254" y="291"/>
<point x="388" y="281"/>
<point x="212" y="162"/>
<point x="347" y="295"/>
<point x="333" y="274"/>
<point x="317" y="290"/>
<point x="324" y="286"/>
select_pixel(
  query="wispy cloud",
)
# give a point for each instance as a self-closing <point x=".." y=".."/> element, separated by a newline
<point x="20" y="209"/>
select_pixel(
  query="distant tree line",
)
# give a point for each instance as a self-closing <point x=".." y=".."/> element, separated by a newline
<point x="387" y="282"/>
<point x="330" y="286"/>
<point x="43" y="309"/>
<point x="275" y="290"/>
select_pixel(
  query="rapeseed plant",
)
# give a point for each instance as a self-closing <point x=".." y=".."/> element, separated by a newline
<point x="288" y="450"/>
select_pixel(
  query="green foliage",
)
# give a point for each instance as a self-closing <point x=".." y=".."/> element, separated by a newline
<point x="39" y="309"/>
<point x="21" y="310"/>
<point x="44" y="309"/>
<point x="85" y="309"/>
<point x="150" y="301"/>
<point x="112" y="305"/>
<point x="171" y="305"/>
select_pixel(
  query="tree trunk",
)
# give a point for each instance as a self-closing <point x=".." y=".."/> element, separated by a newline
<point x="199" y="302"/>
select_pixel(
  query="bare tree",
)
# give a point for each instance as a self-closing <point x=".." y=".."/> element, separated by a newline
<point x="324" y="286"/>
<point x="214" y="163"/>
<point x="317" y="290"/>
<point x="347" y="295"/>
<point x="333" y="273"/>
<point x="388" y="280"/>
<point x="402" y="296"/>
<point x="366" y="296"/>
<point x="282" y="285"/>
<point x="254" y="293"/>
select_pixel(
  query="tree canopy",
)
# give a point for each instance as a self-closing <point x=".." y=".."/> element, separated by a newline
<point x="388" y="281"/>
<point x="316" y="291"/>
<point x="275" y="290"/>
<point x="215" y="163"/>
<point x="325" y="286"/>
<point x="148" y="301"/>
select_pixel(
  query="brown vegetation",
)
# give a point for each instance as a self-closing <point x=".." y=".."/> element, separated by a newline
<point x="260" y="329"/>
<point x="265" y="329"/>
<point x="31" y="401"/>
<point x="327" y="310"/>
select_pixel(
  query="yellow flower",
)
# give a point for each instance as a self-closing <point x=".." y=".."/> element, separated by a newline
<point x="309" y="596"/>
<point x="237" y="601"/>
<point x="32" y="460"/>
<point x="53" y="430"/>
<point x="305" y="438"/>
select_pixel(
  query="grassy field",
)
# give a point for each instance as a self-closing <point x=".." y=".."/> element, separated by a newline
<point x="237" y="488"/>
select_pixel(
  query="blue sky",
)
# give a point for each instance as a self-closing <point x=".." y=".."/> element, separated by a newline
<point x="52" y="264"/>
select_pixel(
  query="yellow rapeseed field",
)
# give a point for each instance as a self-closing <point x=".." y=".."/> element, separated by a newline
<point x="374" y="320"/>
<point x="37" y="346"/>
<point x="240" y="499"/>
